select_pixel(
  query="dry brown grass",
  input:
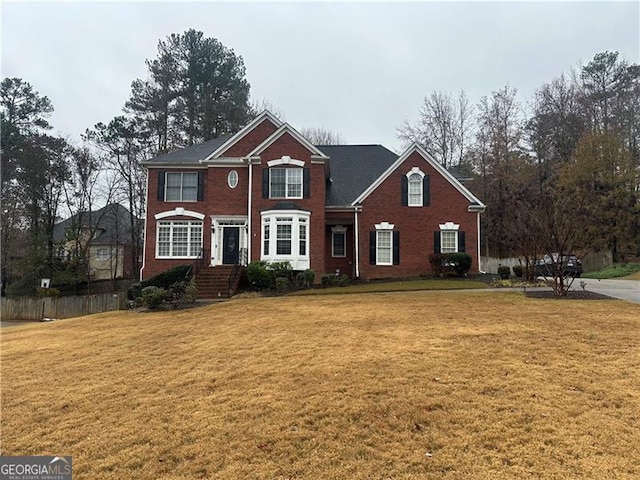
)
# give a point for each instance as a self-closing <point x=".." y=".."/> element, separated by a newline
<point x="425" y="385"/>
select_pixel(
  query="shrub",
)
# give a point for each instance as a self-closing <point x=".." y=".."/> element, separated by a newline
<point x="259" y="276"/>
<point x="309" y="277"/>
<point x="153" y="296"/>
<point x="281" y="270"/>
<point x="329" y="280"/>
<point x="22" y="287"/>
<point x="343" y="280"/>
<point x="181" y="293"/>
<point x="437" y="260"/>
<point x="460" y="262"/>
<point x="504" y="272"/>
<point x="517" y="270"/>
<point x="47" y="292"/>
<point x="179" y="273"/>
<point x="282" y="284"/>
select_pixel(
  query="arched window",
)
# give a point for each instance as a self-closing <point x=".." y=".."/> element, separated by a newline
<point x="415" y="190"/>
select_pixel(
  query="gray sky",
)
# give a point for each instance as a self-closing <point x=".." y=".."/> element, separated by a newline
<point x="359" y="69"/>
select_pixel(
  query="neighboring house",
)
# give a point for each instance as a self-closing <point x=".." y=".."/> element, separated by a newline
<point x="266" y="193"/>
<point x="110" y="253"/>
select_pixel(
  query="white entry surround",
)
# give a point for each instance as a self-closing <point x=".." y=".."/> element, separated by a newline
<point x="218" y="223"/>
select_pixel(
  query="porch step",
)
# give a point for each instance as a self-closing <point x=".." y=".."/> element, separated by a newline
<point x="213" y="282"/>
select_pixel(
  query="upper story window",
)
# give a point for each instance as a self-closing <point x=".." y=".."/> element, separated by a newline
<point x="181" y="187"/>
<point x="286" y="178"/>
<point x="103" y="253"/>
<point x="232" y="179"/>
<point x="285" y="183"/>
<point x="415" y="188"/>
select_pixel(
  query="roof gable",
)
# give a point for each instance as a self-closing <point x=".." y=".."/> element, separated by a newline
<point x="286" y="128"/>
<point x="265" y="115"/>
<point x="111" y="224"/>
<point x="415" y="148"/>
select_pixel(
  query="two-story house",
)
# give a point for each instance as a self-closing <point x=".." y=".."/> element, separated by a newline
<point x="266" y="193"/>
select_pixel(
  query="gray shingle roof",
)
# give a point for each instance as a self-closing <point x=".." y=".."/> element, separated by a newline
<point x="191" y="154"/>
<point x="353" y="169"/>
<point x="111" y="223"/>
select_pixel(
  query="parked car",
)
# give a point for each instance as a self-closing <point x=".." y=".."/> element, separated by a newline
<point x="570" y="265"/>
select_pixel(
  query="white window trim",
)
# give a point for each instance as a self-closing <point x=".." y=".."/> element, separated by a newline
<point x="181" y="257"/>
<point x="384" y="227"/>
<point x="286" y="184"/>
<point x="179" y="212"/>
<point x="415" y="170"/>
<point x="285" y="160"/>
<point x="166" y="186"/>
<point x="298" y="262"/>
<point x="338" y="229"/>
<point x="449" y="227"/>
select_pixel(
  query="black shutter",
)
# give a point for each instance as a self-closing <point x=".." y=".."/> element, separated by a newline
<point x="161" y="175"/>
<point x="396" y="248"/>
<point x="461" y="243"/>
<point x="425" y="191"/>
<point x="200" y="186"/>
<point x="306" y="184"/>
<point x="436" y="242"/>
<point x="372" y="247"/>
<point x="265" y="183"/>
<point x="404" y="191"/>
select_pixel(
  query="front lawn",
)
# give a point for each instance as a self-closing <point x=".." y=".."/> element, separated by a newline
<point x="419" y="385"/>
<point x="616" y="271"/>
<point x="397" y="286"/>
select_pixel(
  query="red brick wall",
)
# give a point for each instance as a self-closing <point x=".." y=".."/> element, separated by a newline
<point x="415" y="224"/>
<point x="286" y="145"/>
<point x="251" y="140"/>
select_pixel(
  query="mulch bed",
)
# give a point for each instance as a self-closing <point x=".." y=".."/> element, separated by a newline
<point x="571" y="295"/>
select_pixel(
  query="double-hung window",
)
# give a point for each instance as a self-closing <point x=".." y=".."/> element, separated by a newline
<point x="283" y="235"/>
<point x="415" y="190"/>
<point x="179" y="239"/>
<point x="449" y="238"/>
<point x="285" y="182"/>
<point x="181" y="187"/>
<point x="384" y="244"/>
<point x="448" y="241"/>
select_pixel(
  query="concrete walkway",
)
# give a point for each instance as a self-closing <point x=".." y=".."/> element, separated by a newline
<point x="628" y="290"/>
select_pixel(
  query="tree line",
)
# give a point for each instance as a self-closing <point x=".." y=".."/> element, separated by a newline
<point x="560" y="175"/>
<point x="568" y="168"/>
<point x="195" y="90"/>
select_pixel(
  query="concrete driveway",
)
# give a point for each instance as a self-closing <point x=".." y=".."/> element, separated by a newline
<point x="628" y="290"/>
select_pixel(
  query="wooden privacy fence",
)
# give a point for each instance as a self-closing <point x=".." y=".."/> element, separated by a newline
<point x="29" y="308"/>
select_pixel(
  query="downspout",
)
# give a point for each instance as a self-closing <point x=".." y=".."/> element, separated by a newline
<point x="146" y="216"/>
<point x="249" y="195"/>
<point x="356" y="235"/>
<point x="478" y="242"/>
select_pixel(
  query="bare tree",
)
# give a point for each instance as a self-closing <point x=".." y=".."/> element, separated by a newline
<point x="443" y="128"/>
<point x="322" y="136"/>
<point x="259" y="106"/>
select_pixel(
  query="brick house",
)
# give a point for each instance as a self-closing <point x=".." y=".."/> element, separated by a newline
<point x="266" y="193"/>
